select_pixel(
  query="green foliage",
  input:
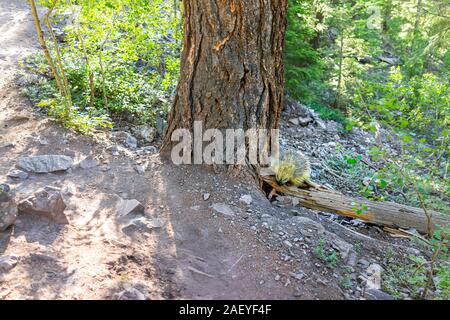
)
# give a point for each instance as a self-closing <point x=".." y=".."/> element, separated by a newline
<point x="121" y="59"/>
<point x="329" y="113"/>
<point x="72" y="118"/>
<point x="346" y="280"/>
<point x="421" y="277"/>
<point x="417" y="104"/>
<point x="410" y="276"/>
<point x="327" y="255"/>
<point x="304" y="69"/>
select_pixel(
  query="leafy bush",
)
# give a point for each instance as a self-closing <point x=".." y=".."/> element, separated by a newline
<point x="121" y="59"/>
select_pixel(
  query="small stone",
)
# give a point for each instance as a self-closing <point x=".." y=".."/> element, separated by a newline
<point x="222" y="208"/>
<point x="126" y="207"/>
<point x="126" y="139"/>
<point x="305" y="121"/>
<point x="131" y="142"/>
<point x="374" y="294"/>
<point x="287" y="244"/>
<point x="141" y="168"/>
<point x="115" y="150"/>
<point x="374" y="280"/>
<point x="89" y="163"/>
<point x="105" y="168"/>
<point x="321" y="124"/>
<point x="287" y="283"/>
<point x="7" y="145"/>
<point x="69" y="190"/>
<point x="130" y="294"/>
<point x="7" y="263"/>
<point x="298" y="276"/>
<point x="364" y="263"/>
<point x="150" y="150"/>
<point x="18" y="174"/>
<point x="206" y="196"/>
<point x="247" y="199"/>
<point x="43" y="141"/>
<point x="294" y="121"/>
<point x="413" y="251"/>
<point x="144" y="133"/>
<point x="352" y="259"/>
<point x="142" y="223"/>
<point x="277" y="277"/>
<point x="8" y="208"/>
<point x="342" y="246"/>
<point x="308" y="227"/>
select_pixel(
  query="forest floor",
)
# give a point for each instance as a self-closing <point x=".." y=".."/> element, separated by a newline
<point x="195" y="238"/>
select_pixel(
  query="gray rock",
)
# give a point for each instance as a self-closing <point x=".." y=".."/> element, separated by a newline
<point x="374" y="276"/>
<point x="7" y="145"/>
<point x="126" y="139"/>
<point x="141" y="168"/>
<point x="69" y="190"/>
<point x="42" y="141"/>
<point x="18" y="174"/>
<point x="115" y="150"/>
<point x="161" y="125"/>
<point x="388" y="60"/>
<point x="375" y="294"/>
<point x="305" y="121"/>
<point x="352" y="259"/>
<point x="364" y="263"/>
<point x="8" y="208"/>
<point x="342" y="246"/>
<point x="131" y="142"/>
<point x="45" y="163"/>
<point x="130" y="293"/>
<point x="223" y="209"/>
<point x="246" y="198"/>
<point x="46" y="202"/>
<point x="142" y="223"/>
<point x="308" y="227"/>
<point x="299" y="275"/>
<point x="7" y="263"/>
<point x="126" y="207"/>
<point x="4" y="190"/>
<point x="287" y="243"/>
<point x="206" y="196"/>
<point x="294" y="121"/>
<point x="89" y="163"/>
<point x="150" y="149"/>
<point x="144" y="133"/>
<point x="322" y="282"/>
<point x="321" y="124"/>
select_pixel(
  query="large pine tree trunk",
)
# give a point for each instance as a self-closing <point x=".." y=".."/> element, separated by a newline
<point x="232" y="72"/>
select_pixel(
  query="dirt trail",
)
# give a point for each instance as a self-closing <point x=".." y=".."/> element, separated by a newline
<point x="196" y="254"/>
<point x="16" y="29"/>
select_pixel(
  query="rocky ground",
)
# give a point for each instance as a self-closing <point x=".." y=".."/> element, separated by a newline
<point x="105" y="217"/>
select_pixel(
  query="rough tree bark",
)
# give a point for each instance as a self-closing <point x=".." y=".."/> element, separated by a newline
<point x="232" y="72"/>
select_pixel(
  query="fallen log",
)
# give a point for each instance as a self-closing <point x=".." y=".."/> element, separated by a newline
<point x="388" y="214"/>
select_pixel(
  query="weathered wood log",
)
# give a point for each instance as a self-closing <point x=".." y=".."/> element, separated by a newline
<point x="382" y="213"/>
